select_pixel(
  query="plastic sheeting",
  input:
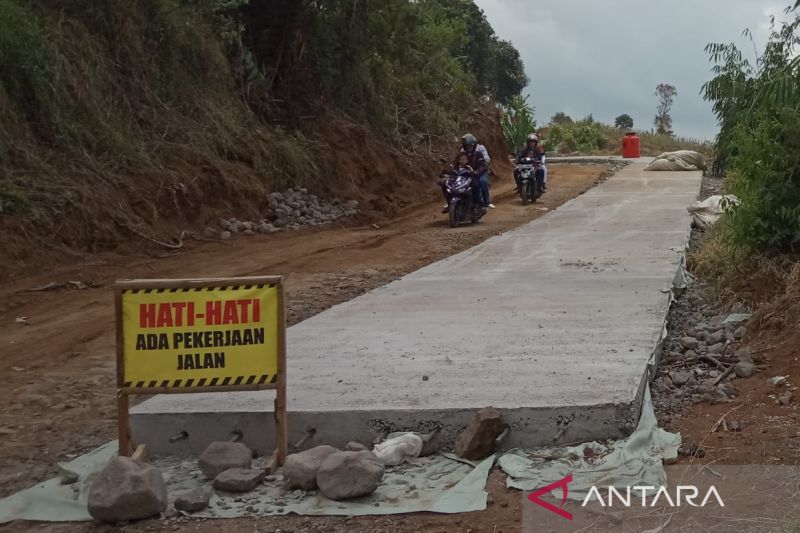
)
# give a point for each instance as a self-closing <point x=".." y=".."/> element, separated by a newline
<point x="678" y="161"/>
<point x="634" y="461"/>
<point x="438" y="484"/>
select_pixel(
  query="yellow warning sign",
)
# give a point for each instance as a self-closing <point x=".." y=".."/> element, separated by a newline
<point x="188" y="336"/>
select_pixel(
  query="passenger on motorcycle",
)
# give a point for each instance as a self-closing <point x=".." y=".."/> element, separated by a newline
<point x="472" y="162"/>
<point x="532" y="150"/>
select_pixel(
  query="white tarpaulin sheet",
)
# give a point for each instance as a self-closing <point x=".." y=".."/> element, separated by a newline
<point x="634" y="461"/>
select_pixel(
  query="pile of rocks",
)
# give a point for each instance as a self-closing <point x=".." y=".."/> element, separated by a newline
<point x="288" y="210"/>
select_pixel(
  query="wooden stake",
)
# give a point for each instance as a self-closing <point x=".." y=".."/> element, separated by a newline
<point x="123" y="403"/>
<point x="281" y="428"/>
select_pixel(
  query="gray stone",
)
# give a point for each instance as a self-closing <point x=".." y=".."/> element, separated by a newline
<point x="744" y="369"/>
<point x="221" y="456"/>
<point x="744" y="354"/>
<point x="238" y="480"/>
<point x="477" y="440"/>
<point x="740" y="333"/>
<point x="126" y="489"/>
<point x="690" y="343"/>
<point x="716" y="337"/>
<point x="680" y="378"/>
<point x="354" y="446"/>
<point x="247" y="226"/>
<point x="346" y="475"/>
<point x="249" y="232"/>
<point x="716" y="349"/>
<point x="194" y="500"/>
<point x="300" y="469"/>
<point x="224" y="224"/>
<point x="785" y="398"/>
<point x="225" y="235"/>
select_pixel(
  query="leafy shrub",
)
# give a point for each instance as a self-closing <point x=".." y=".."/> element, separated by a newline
<point x="767" y="181"/>
<point x="517" y="122"/>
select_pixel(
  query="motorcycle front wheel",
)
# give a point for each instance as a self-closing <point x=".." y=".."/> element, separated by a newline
<point x="454" y="214"/>
<point x="524" y="191"/>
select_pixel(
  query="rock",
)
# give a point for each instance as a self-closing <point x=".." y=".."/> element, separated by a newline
<point x="194" y="500"/>
<point x="210" y="233"/>
<point x="689" y="343"/>
<point x="221" y="456"/>
<point x="716" y="337"/>
<point x="301" y="468"/>
<point x="346" y="475"/>
<point x="238" y="479"/>
<point x="224" y="224"/>
<point x="740" y="333"/>
<point x="680" y="378"/>
<point x="700" y="334"/>
<point x="736" y="318"/>
<point x="247" y="226"/>
<point x="354" y="446"/>
<point x="744" y="369"/>
<point x="126" y="489"/>
<point x="477" y="440"/>
<point x="716" y="349"/>
<point x="744" y="354"/>
<point x="785" y="398"/>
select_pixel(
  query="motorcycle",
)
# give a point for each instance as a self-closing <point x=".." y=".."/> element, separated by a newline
<point x="460" y="207"/>
<point x="530" y="187"/>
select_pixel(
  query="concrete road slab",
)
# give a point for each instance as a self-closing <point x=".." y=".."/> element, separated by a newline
<point x="555" y="323"/>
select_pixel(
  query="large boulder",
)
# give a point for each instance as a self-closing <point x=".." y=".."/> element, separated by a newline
<point x="477" y="441"/>
<point x="222" y="456"/>
<point x="193" y="500"/>
<point x="238" y="480"/>
<point x="300" y="469"/>
<point x="126" y="489"/>
<point x="345" y="475"/>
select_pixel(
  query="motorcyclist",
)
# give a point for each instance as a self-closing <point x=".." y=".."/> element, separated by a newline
<point x="533" y="150"/>
<point x="486" y="199"/>
<point x="476" y="164"/>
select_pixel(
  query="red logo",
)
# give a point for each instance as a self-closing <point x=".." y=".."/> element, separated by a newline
<point x="564" y="484"/>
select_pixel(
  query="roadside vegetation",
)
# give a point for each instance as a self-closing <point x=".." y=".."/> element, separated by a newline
<point x="159" y="115"/>
<point x="587" y="136"/>
<point x="752" y="254"/>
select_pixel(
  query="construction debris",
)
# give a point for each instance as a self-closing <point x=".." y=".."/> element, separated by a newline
<point x="127" y="490"/>
<point x="192" y="501"/>
<point x="238" y="480"/>
<point x="300" y="469"/>
<point x="346" y="475"/>
<point x="221" y="456"/>
<point x="478" y="439"/>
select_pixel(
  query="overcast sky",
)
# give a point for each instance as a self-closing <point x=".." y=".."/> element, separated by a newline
<point x="606" y="57"/>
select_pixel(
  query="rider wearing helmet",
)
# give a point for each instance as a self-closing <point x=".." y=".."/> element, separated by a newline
<point x="533" y="150"/>
<point x="477" y="165"/>
<point x="486" y="199"/>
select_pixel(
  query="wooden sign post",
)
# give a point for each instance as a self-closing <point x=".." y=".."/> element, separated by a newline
<point x="201" y="335"/>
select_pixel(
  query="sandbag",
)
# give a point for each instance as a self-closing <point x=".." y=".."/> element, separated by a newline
<point x="681" y="160"/>
<point x="706" y="213"/>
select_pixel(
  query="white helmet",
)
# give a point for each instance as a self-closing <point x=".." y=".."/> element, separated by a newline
<point x="533" y="137"/>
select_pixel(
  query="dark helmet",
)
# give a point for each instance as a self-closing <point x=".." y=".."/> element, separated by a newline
<point x="469" y="140"/>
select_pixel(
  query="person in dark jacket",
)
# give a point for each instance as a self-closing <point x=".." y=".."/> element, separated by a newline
<point x="532" y="150"/>
<point x="470" y="158"/>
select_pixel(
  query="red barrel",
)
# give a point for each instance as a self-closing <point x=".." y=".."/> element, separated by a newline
<point x="631" y="147"/>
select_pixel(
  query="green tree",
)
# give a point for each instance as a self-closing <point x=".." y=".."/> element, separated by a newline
<point x="666" y="98"/>
<point x="624" y="121"/>
<point x="561" y="118"/>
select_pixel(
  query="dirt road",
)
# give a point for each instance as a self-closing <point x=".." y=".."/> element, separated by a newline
<point x="58" y="364"/>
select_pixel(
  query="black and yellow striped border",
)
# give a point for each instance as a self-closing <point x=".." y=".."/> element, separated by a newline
<point x="203" y="382"/>
<point x="199" y="289"/>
